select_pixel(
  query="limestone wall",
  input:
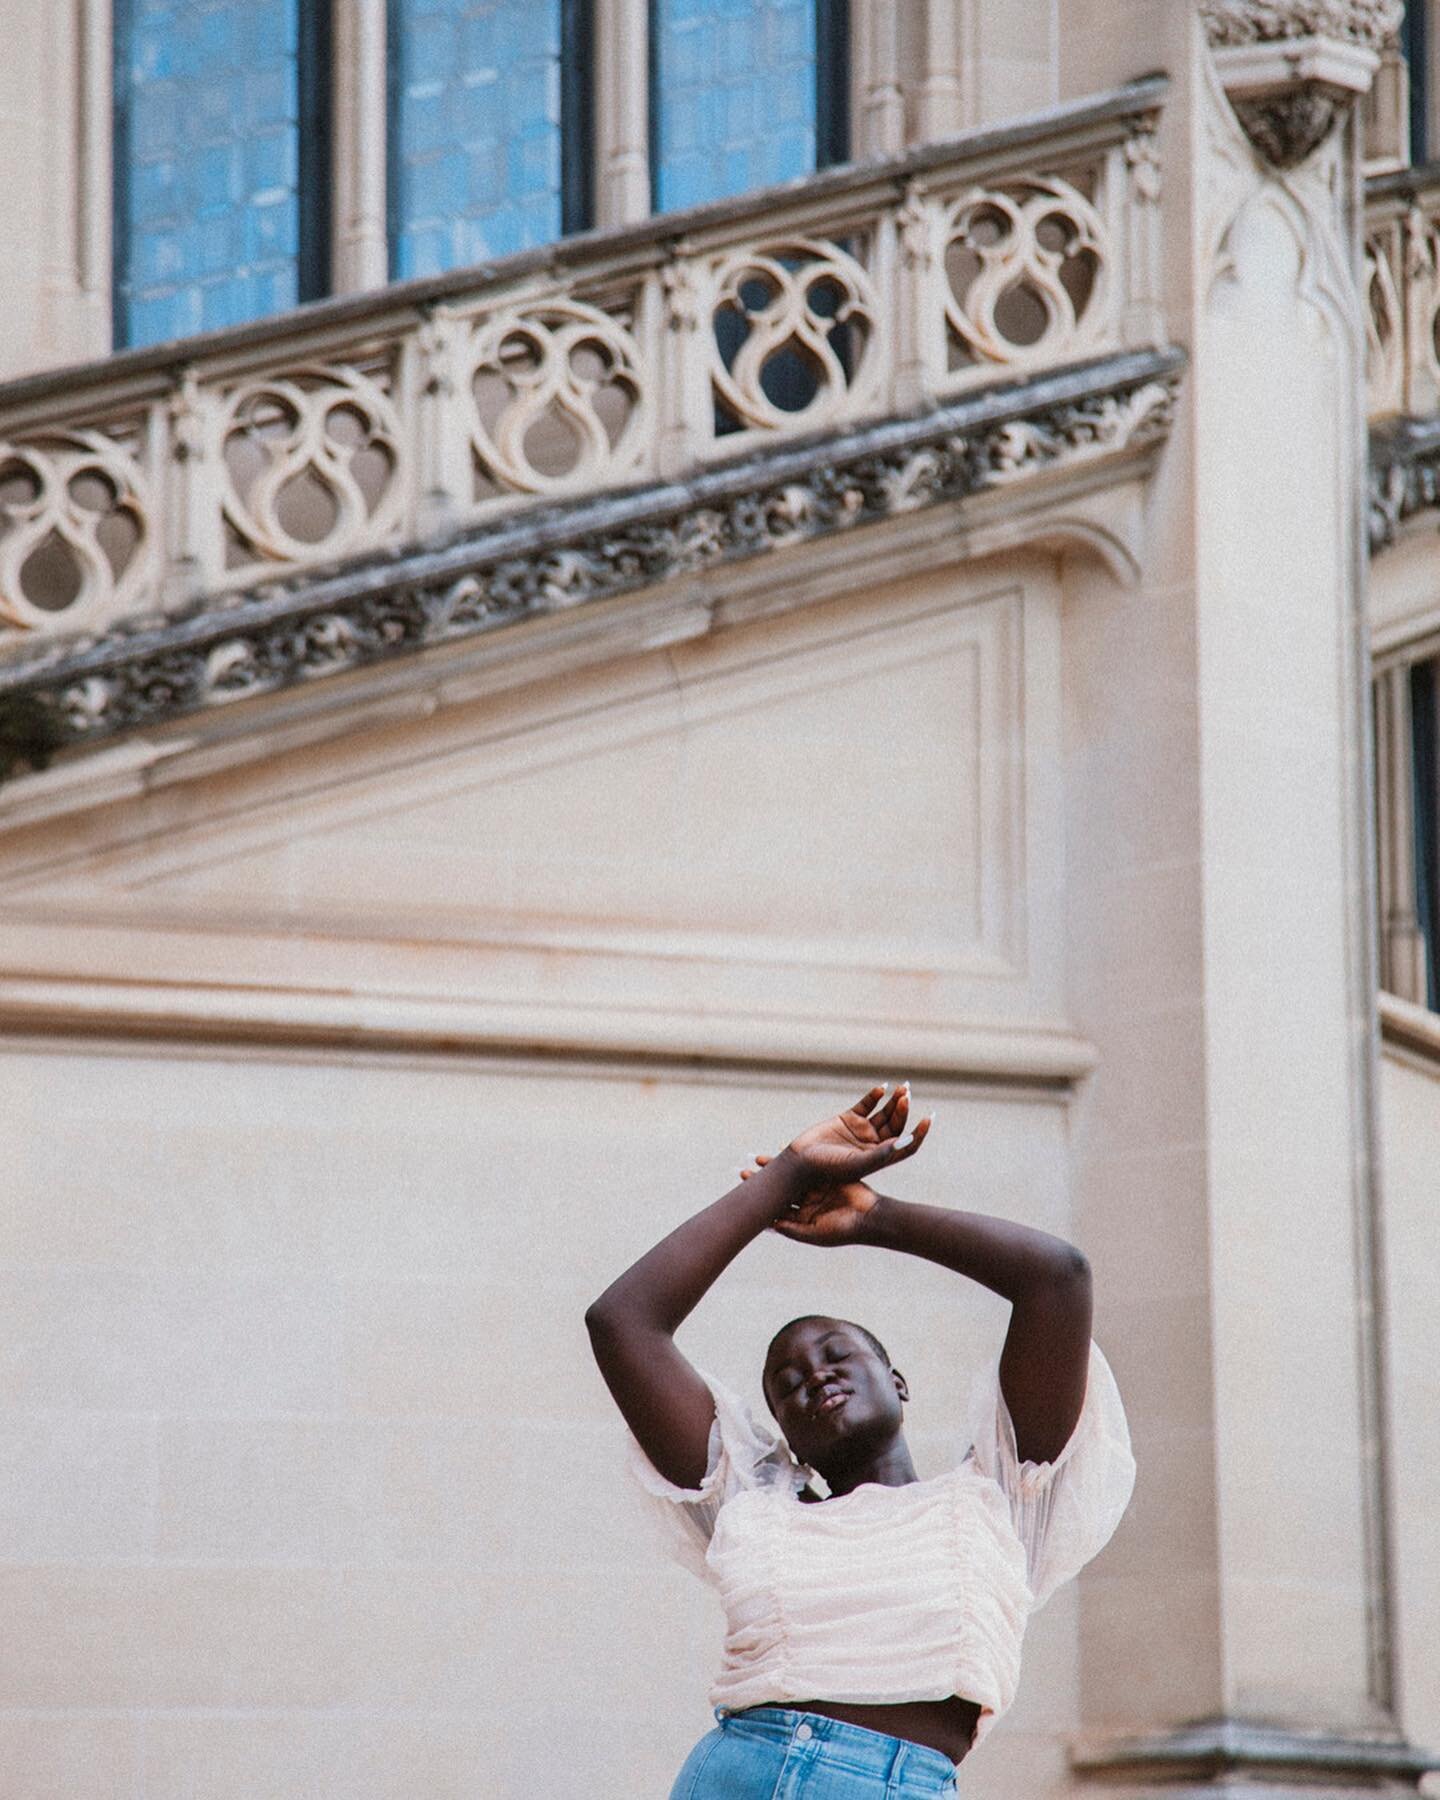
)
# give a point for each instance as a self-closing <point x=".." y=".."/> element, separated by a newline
<point x="307" y="1478"/>
<point x="308" y="1485"/>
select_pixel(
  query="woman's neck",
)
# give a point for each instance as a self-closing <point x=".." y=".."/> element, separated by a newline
<point x="890" y="1467"/>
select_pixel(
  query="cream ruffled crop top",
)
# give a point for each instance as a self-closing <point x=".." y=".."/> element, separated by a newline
<point x="890" y="1594"/>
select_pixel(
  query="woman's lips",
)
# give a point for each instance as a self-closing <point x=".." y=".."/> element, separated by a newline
<point x="832" y="1402"/>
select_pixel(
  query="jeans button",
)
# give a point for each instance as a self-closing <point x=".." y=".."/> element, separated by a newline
<point x="803" y="1734"/>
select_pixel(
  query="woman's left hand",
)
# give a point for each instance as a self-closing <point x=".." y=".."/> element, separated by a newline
<point x="831" y="1213"/>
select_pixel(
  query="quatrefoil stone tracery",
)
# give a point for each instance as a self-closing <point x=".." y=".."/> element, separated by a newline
<point x="58" y="494"/>
<point x="553" y="363"/>
<point x="778" y="292"/>
<point x="311" y="424"/>
<point x="1023" y="240"/>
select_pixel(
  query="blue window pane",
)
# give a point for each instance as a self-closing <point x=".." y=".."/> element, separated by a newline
<point x="208" y="209"/>
<point x="736" y="92"/>
<point x="475" y="131"/>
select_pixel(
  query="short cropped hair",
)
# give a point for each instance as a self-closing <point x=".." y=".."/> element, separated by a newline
<point x="819" y="1318"/>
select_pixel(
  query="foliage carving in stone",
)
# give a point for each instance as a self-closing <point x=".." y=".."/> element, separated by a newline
<point x="794" y="329"/>
<point x="74" y="529"/>
<point x="1026" y="268"/>
<point x="312" y="465"/>
<point x="1369" y="23"/>
<point x="1404" y="476"/>
<point x="1075" y="433"/>
<point x="1293" y="68"/>
<point x="153" y="670"/>
<point x="557" y="393"/>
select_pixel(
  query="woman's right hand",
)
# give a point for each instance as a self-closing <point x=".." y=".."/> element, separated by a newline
<point x="856" y="1143"/>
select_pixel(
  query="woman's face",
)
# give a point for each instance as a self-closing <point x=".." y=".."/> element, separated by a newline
<point x="832" y="1394"/>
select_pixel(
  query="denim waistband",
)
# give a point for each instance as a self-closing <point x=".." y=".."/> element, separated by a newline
<point x="852" y="1747"/>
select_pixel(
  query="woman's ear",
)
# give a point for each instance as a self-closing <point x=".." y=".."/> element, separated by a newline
<point x="902" y="1386"/>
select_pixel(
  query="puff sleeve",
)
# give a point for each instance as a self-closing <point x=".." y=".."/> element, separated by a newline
<point x="1064" y="1511"/>
<point x="742" y="1454"/>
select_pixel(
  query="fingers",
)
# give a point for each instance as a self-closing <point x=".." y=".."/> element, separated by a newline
<point x="901" y="1149"/>
<point x="759" y="1161"/>
<point x="889" y="1122"/>
<point x="895" y="1149"/>
<point x="867" y="1100"/>
<point x="888" y="1118"/>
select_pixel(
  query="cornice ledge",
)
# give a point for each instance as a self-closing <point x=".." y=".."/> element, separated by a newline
<point x="1039" y="1057"/>
<point x="145" y="673"/>
<point x="1404" y="476"/>
<point x="1408" y="1027"/>
<point x="1369" y="24"/>
<point x="1229" y="1752"/>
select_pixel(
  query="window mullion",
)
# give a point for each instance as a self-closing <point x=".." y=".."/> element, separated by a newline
<point x="621" y="143"/>
<point x="360" y="256"/>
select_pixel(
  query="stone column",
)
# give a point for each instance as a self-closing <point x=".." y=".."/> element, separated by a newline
<point x="878" y="99"/>
<point x="55" y="109"/>
<point x="1222" y="947"/>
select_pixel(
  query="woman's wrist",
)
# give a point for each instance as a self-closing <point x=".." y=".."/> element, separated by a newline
<point x="882" y="1228"/>
<point x="784" y="1178"/>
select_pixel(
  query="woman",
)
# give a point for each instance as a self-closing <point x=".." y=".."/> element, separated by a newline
<point x="873" y="1625"/>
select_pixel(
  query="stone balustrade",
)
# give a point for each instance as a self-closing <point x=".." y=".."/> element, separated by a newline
<point x="162" y="480"/>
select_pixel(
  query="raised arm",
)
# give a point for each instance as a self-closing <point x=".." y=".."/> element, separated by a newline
<point x="632" y="1325"/>
<point x="1046" y="1357"/>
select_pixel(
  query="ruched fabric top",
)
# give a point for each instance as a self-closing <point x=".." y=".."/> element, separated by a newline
<point x="890" y="1594"/>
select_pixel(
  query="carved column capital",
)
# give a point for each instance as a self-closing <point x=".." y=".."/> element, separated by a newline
<point x="1293" y="68"/>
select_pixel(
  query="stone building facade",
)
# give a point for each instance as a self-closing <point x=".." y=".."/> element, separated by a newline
<point x="501" y="728"/>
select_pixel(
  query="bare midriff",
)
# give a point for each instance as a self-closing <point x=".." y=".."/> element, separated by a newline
<point x="944" y="1725"/>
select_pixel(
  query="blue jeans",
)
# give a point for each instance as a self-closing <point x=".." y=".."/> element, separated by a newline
<point x="771" y="1753"/>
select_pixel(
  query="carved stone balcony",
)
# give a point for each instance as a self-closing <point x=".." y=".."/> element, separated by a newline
<point x="1402" y="294"/>
<point x="227" y="515"/>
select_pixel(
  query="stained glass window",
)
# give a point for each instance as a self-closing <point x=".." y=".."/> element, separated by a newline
<point x="735" y="96"/>
<point x="207" y="164"/>
<point x="475" y="130"/>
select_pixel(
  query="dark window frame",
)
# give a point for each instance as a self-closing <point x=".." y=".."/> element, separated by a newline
<point x="1425" y="811"/>
<point x="315" y="175"/>
<point x="1415" y="46"/>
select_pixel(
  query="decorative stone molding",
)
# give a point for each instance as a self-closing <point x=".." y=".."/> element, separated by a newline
<point x="149" y="671"/>
<point x="1367" y="23"/>
<point x="1293" y="68"/>
<point x="1224" y="1755"/>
